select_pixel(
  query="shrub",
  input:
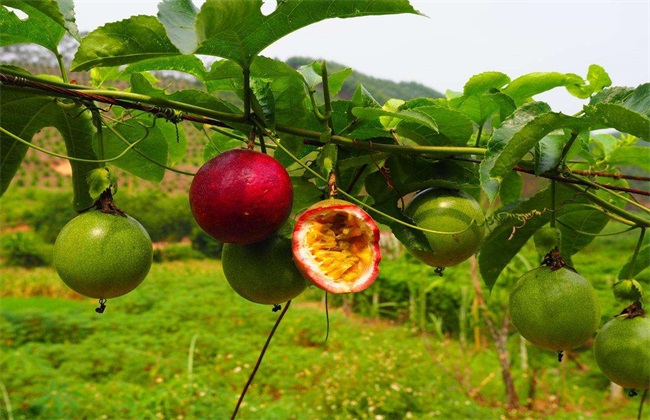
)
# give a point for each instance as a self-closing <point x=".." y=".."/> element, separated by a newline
<point x="25" y="249"/>
<point x="204" y="243"/>
<point x="177" y="252"/>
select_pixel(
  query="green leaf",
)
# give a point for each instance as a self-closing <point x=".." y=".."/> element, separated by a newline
<point x="264" y="101"/>
<point x="548" y="152"/>
<point x="638" y="156"/>
<point x="483" y="82"/>
<point x="127" y="41"/>
<point x="337" y="79"/>
<point x="237" y="29"/>
<point x="511" y="188"/>
<point x="525" y="87"/>
<point x="411" y="116"/>
<point x="183" y="63"/>
<point x="59" y="11"/>
<point x="511" y="234"/>
<point x="179" y="19"/>
<point x="516" y="137"/>
<point x="616" y="94"/>
<point x="576" y="219"/>
<point x="219" y="143"/>
<point x="305" y="194"/>
<point x="145" y="159"/>
<point x="452" y="128"/>
<point x="25" y="115"/>
<point x="621" y="118"/>
<point x="640" y="100"/>
<point x="327" y="159"/>
<point x="287" y="86"/>
<point x="641" y="264"/>
<point x="38" y="28"/>
<point x="597" y="78"/>
<point x="99" y="180"/>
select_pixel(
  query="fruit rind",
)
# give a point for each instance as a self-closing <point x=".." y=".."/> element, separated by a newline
<point x="447" y="210"/>
<point x="241" y="196"/>
<point x="305" y="260"/>
<point x="556" y="310"/>
<point x="622" y="351"/>
<point x="263" y="272"/>
<point x="102" y="255"/>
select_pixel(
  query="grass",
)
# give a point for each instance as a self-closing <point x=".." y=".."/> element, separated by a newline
<point x="59" y="359"/>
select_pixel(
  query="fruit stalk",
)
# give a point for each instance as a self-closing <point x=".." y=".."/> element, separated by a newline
<point x="259" y="359"/>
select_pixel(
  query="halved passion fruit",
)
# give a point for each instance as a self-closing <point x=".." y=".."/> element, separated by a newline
<point x="336" y="246"/>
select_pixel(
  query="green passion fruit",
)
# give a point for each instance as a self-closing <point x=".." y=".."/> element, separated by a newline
<point x="555" y="309"/>
<point x="622" y="351"/>
<point x="102" y="255"/>
<point x="263" y="272"/>
<point x="241" y="196"/>
<point x="446" y="210"/>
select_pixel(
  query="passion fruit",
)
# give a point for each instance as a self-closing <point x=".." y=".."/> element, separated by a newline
<point x="263" y="272"/>
<point x="241" y="196"/>
<point x="336" y="246"/>
<point x="622" y="351"/>
<point x="103" y="255"/>
<point x="446" y="210"/>
<point x="555" y="309"/>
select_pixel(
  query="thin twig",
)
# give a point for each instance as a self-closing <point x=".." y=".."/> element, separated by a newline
<point x="259" y="359"/>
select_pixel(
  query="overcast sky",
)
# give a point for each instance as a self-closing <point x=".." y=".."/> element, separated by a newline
<point x="461" y="38"/>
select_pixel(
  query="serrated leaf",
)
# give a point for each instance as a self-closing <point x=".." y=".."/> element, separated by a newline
<point x="616" y="94"/>
<point x="639" y="101"/>
<point x="127" y="41"/>
<point x="511" y="234"/>
<point x="59" y="11"/>
<point x="621" y="118"/>
<point x="516" y="137"/>
<point x="38" y="28"/>
<point x="237" y="29"/>
<point x="452" y="127"/>
<point x="25" y="115"/>
<point x="327" y="159"/>
<point x="576" y="219"/>
<point x="408" y="115"/>
<point x="638" y="156"/>
<point x="99" y="180"/>
<point x="183" y="63"/>
<point x="481" y="83"/>
<point x="548" y="152"/>
<point x="219" y="143"/>
<point x="640" y="265"/>
<point x="264" y="101"/>
<point x="179" y="19"/>
<point x="529" y="85"/>
<point x="597" y="79"/>
<point x="511" y="188"/>
<point x="146" y="158"/>
<point x="286" y="84"/>
<point x="337" y="79"/>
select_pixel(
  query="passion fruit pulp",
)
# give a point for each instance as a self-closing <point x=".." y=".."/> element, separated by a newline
<point x="241" y="196"/>
<point x="336" y="246"/>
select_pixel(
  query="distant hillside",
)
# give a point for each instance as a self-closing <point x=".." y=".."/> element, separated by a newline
<point x="381" y="89"/>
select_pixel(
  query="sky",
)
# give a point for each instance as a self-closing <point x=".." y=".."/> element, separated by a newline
<point x="461" y="38"/>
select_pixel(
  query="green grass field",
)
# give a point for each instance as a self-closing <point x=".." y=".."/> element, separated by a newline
<point x="183" y="344"/>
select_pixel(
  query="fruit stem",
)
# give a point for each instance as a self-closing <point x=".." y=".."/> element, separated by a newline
<point x="630" y="270"/>
<point x="643" y="397"/>
<point x="553" y="204"/>
<point x="259" y="359"/>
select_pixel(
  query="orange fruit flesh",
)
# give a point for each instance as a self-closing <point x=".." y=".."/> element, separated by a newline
<point x="340" y="244"/>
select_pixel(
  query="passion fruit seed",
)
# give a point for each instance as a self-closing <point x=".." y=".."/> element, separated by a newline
<point x="241" y="196"/>
<point x="446" y="210"/>
<point x="263" y="272"/>
<point x="336" y="246"/>
<point x="102" y="255"/>
<point x="554" y="308"/>
<point x="622" y="350"/>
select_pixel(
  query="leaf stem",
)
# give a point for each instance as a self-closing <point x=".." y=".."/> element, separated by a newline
<point x="326" y="96"/>
<point x="553" y="204"/>
<point x="606" y="205"/>
<point x="259" y="359"/>
<point x="478" y="136"/>
<point x="64" y="73"/>
<point x="630" y="271"/>
<point x="247" y="92"/>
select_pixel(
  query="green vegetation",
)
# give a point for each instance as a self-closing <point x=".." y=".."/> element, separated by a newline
<point x="184" y="344"/>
